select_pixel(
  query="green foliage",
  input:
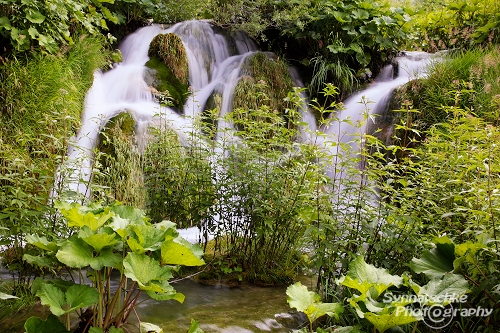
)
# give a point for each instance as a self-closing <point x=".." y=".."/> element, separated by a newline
<point x="465" y="79"/>
<point x="452" y="24"/>
<point x="41" y="104"/>
<point x="309" y="302"/>
<point x="105" y="239"/>
<point x="353" y="34"/>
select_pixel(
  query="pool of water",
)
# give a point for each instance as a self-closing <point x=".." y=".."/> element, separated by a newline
<point x="217" y="309"/>
<point x="221" y="309"/>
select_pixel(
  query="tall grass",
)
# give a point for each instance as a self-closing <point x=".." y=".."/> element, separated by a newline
<point x="41" y="101"/>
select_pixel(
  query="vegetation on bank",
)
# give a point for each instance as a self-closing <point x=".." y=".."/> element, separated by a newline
<point x="434" y="211"/>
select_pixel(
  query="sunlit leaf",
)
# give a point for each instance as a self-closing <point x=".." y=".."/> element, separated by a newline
<point x="180" y="252"/>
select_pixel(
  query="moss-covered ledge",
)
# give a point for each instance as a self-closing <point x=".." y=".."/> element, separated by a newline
<point x="168" y="73"/>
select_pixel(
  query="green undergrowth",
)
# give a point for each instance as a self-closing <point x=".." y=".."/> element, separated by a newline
<point x="41" y="102"/>
<point x="120" y="175"/>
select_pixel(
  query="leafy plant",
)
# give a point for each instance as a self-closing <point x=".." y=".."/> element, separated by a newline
<point x="108" y="239"/>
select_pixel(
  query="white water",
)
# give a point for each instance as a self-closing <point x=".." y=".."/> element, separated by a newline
<point x="350" y="123"/>
<point x="214" y="65"/>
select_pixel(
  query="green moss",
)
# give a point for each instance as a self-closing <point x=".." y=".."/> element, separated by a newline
<point x="120" y="127"/>
<point x="171" y="72"/>
<point x="168" y="86"/>
<point x="274" y="82"/>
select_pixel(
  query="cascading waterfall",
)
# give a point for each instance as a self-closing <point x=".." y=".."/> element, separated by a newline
<point x="352" y="121"/>
<point x="215" y="65"/>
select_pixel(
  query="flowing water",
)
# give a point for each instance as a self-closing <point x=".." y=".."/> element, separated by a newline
<point x="215" y="62"/>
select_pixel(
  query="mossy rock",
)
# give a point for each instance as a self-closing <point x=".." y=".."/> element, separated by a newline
<point x="121" y="126"/>
<point x="274" y="81"/>
<point x="266" y="82"/>
<point x="169" y="71"/>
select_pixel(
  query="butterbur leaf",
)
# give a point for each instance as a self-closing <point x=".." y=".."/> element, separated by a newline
<point x="448" y="289"/>
<point x="150" y="328"/>
<point x="50" y="325"/>
<point x="383" y="322"/>
<point x="100" y="240"/>
<point x="40" y="261"/>
<point x="35" y="17"/>
<point x="300" y="298"/>
<point x="42" y="243"/>
<point x="77" y="296"/>
<point x="112" y="329"/>
<point x="144" y="269"/>
<point x="364" y="277"/>
<point x="76" y="253"/>
<point x="309" y="302"/>
<point x="145" y="238"/>
<point x="5" y="23"/>
<point x="435" y="262"/>
<point x="180" y="252"/>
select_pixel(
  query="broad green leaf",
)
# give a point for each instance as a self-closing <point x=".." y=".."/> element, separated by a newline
<point x="383" y="322"/>
<point x="53" y="297"/>
<point x="77" y="216"/>
<point x="144" y="269"/>
<point x="435" y="262"/>
<point x="362" y="277"/>
<point x="360" y="14"/>
<point x="5" y="23"/>
<point x="50" y="325"/>
<point x="77" y="296"/>
<point x="119" y="225"/>
<point x="42" y="243"/>
<point x="33" y="32"/>
<point x="76" y="253"/>
<point x="319" y="310"/>
<point x="300" y="298"/>
<point x="40" y="261"/>
<point x="444" y="291"/>
<point x="35" y="17"/>
<point x="342" y="17"/>
<point x="132" y="214"/>
<point x="98" y="241"/>
<point x="195" y="327"/>
<point x="145" y="238"/>
<point x="309" y="302"/>
<point x="150" y="328"/>
<point x="180" y="252"/>
<point x="6" y="296"/>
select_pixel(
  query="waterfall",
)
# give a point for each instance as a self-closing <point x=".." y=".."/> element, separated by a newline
<point x="215" y="63"/>
<point x="358" y="110"/>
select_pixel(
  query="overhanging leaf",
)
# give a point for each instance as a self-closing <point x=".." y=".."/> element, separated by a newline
<point x="35" y="17"/>
<point x="180" y="252"/>
<point x="144" y="270"/>
<point x="363" y="277"/>
<point x="435" y="262"/>
<point x="77" y="296"/>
